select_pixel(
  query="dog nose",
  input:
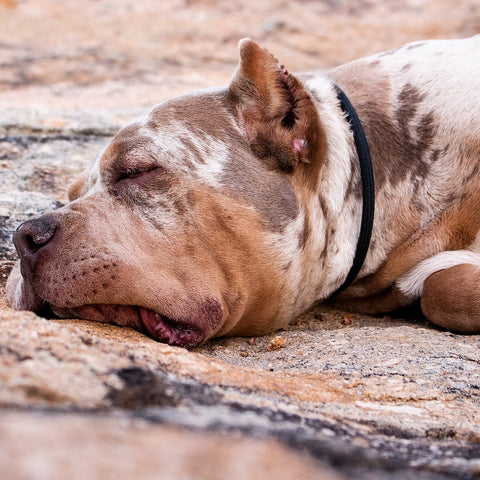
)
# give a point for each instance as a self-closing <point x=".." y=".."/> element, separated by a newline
<point x="34" y="234"/>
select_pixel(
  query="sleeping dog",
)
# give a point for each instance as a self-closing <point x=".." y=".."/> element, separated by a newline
<point x="231" y="211"/>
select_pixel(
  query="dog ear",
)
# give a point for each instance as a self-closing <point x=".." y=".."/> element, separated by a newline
<point x="76" y="189"/>
<point x="277" y="112"/>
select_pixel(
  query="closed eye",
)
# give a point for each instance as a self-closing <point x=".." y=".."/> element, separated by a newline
<point x="131" y="173"/>
<point x="133" y="181"/>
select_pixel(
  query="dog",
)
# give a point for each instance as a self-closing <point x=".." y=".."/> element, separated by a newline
<point x="231" y="211"/>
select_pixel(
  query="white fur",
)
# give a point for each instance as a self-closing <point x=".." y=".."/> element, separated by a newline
<point x="332" y="185"/>
<point x="340" y="142"/>
<point x="174" y="153"/>
<point x="412" y="283"/>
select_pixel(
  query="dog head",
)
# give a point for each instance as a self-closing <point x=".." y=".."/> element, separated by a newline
<point x="189" y="222"/>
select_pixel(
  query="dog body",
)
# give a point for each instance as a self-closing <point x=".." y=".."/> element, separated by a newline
<point x="233" y="210"/>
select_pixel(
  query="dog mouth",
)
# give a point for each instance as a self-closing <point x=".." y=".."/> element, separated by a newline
<point x="187" y="322"/>
<point x="173" y="332"/>
<point x="183" y="332"/>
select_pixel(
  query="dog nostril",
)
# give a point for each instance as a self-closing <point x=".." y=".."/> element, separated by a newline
<point x="34" y="244"/>
<point x="34" y="234"/>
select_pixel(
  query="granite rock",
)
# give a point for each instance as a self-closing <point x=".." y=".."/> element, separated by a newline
<point x="56" y="446"/>
<point x="373" y="412"/>
<point x="332" y="396"/>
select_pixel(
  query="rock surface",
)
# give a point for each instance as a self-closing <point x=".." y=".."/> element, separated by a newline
<point x="333" y="396"/>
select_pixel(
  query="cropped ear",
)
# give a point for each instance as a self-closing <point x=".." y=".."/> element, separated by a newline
<point x="278" y="114"/>
<point x="76" y="189"/>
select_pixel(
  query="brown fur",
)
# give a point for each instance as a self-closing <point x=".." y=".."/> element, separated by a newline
<point x="454" y="229"/>
<point x="404" y="145"/>
<point x="450" y="298"/>
<point x="275" y="110"/>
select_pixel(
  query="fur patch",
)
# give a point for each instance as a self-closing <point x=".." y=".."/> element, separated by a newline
<point x="411" y="284"/>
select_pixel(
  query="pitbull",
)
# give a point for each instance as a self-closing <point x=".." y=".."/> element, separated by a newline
<point x="231" y="211"/>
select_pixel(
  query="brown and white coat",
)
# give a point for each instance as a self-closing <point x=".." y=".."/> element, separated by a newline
<point x="233" y="210"/>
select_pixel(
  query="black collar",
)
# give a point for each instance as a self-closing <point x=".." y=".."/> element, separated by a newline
<point x="368" y="189"/>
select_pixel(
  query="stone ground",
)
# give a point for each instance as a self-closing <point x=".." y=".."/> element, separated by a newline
<point x="333" y="396"/>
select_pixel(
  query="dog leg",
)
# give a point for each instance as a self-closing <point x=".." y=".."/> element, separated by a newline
<point x="451" y="298"/>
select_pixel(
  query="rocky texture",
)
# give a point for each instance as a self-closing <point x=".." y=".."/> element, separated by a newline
<point x="333" y="396"/>
<point x="35" y="165"/>
<point x="134" y="448"/>
<point x="369" y="409"/>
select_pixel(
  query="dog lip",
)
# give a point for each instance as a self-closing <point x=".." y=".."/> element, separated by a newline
<point x="167" y="330"/>
<point x="164" y="329"/>
<point x="189" y="329"/>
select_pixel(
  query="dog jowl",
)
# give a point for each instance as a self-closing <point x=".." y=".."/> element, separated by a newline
<point x="233" y="210"/>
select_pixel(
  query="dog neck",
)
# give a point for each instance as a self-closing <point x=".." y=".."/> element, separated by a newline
<point x="331" y="211"/>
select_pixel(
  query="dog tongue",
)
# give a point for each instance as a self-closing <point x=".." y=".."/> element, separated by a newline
<point x="168" y="331"/>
